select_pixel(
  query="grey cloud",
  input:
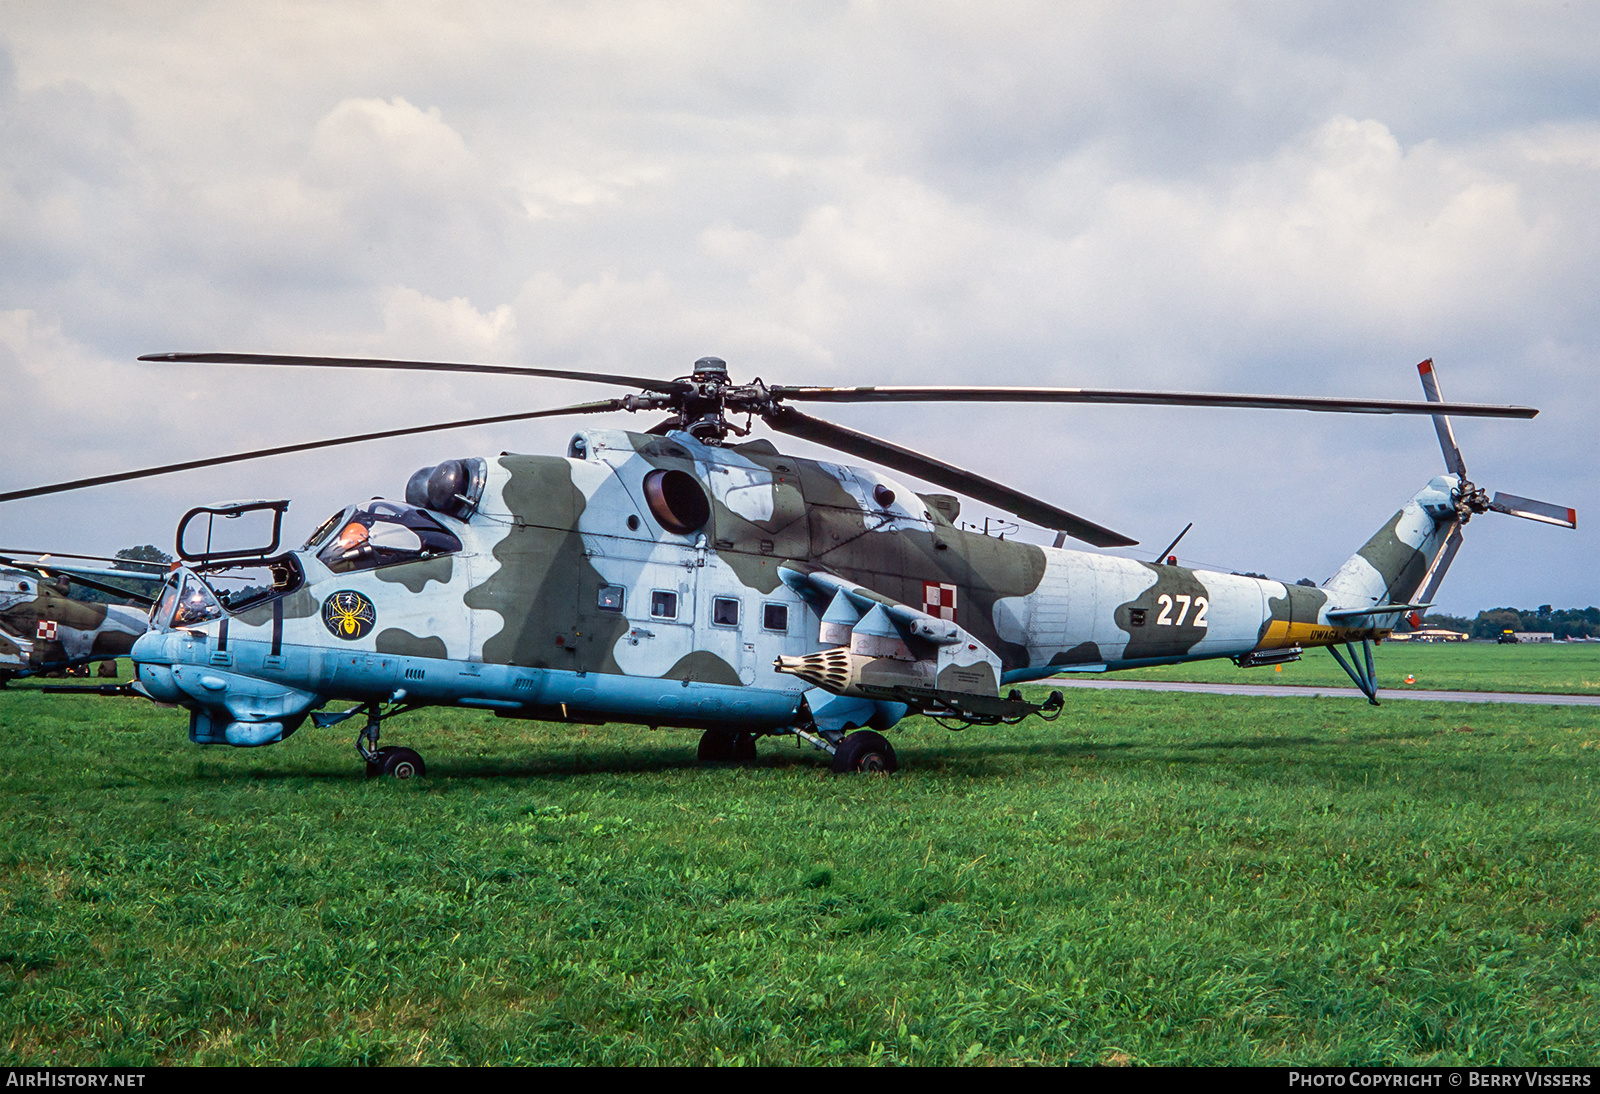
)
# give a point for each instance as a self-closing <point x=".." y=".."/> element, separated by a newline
<point x="1268" y="197"/>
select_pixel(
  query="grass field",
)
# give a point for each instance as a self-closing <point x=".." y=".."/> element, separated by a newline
<point x="1152" y="879"/>
<point x="1561" y="667"/>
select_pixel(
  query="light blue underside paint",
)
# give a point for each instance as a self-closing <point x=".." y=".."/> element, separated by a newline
<point x="370" y="677"/>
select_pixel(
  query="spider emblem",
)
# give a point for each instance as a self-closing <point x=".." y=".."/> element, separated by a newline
<point x="348" y="614"/>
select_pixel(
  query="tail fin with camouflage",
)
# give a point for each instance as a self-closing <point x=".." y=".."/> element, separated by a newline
<point x="1404" y="563"/>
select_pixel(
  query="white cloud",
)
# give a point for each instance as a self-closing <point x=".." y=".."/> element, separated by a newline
<point x="369" y="145"/>
<point x="1178" y="195"/>
<point x="421" y="327"/>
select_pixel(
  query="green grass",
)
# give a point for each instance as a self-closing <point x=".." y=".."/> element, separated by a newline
<point x="1153" y="878"/>
<point x="1568" y="668"/>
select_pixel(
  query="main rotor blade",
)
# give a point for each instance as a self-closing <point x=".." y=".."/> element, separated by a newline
<point x="87" y="571"/>
<point x="1441" y="424"/>
<point x="789" y="420"/>
<point x="280" y="450"/>
<point x="1140" y="398"/>
<point x="668" y="386"/>
<point x="1534" y="510"/>
<point x="89" y="583"/>
<point x="40" y="556"/>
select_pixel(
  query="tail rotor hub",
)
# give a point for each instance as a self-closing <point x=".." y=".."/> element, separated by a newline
<point x="1470" y="499"/>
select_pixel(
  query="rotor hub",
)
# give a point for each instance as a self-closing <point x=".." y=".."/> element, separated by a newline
<point x="701" y="406"/>
<point x="708" y="369"/>
<point x="1470" y="500"/>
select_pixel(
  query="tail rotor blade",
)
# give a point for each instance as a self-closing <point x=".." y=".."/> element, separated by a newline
<point x="1441" y="424"/>
<point x="1529" y="509"/>
<point x="1435" y="575"/>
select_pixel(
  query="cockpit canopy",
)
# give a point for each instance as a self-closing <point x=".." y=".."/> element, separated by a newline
<point x="186" y="601"/>
<point x="380" y="533"/>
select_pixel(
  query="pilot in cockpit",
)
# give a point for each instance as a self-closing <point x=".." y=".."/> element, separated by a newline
<point x="352" y="537"/>
<point x="383" y="533"/>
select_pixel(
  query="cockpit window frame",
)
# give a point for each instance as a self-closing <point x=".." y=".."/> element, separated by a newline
<point x="195" y="595"/>
<point x="357" y="523"/>
<point x="287" y="576"/>
<point x="325" y="529"/>
<point x="161" y="611"/>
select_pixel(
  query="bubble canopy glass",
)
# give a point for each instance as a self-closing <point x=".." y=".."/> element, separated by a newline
<point x="381" y="533"/>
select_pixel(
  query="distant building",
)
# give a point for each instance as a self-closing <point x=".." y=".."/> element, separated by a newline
<point x="1534" y="636"/>
<point x="1430" y="634"/>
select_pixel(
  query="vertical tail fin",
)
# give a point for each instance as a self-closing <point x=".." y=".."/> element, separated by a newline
<point x="1408" y="551"/>
<point x="1408" y="557"/>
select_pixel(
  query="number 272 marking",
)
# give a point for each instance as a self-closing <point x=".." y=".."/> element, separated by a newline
<point x="1200" y="604"/>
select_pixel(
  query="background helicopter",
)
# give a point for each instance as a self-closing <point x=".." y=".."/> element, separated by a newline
<point x="672" y="578"/>
<point x="44" y="628"/>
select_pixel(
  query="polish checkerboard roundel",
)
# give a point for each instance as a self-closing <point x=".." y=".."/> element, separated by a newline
<point x="47" y="630"/>
<point x="939" y="600"/>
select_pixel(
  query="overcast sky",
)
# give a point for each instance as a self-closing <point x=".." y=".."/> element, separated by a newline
<point x="1305" y="199"/>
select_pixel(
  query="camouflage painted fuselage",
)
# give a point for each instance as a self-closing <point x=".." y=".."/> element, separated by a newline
<point x="570" y="598"/>
<point x="42" y="629"/>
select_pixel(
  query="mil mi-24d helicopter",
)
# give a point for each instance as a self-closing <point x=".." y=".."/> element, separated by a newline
<point x="675" y="578"/>
<point x="45" y="629"/>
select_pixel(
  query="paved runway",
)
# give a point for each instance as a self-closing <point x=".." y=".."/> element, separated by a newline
<point x="1280" y="690"/>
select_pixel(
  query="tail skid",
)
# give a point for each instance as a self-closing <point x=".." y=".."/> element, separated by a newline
<point x="1366" y="680"/>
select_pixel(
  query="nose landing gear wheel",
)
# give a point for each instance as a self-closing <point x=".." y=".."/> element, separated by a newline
<point x="866" y="752"/>
<point x="397" y="763"/>
<point x="727" y="746"/>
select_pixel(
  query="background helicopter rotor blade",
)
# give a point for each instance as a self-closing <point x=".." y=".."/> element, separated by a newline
<point x="87" y="582"/>
<point x="1140" y="398"/>
<point x="788" y="420"/>
<point x="40" y="558"/>
<point x="279" y="450"/>
<point x="668" y="386"/>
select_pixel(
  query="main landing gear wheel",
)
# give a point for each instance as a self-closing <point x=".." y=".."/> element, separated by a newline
<point x="864" y="751"/>
<point x="396" y="763"/>
<point x="727" y="746"/>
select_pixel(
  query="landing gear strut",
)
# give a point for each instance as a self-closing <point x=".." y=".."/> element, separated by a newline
<point x="863" y="751"/>
<point x="393" y="761"/>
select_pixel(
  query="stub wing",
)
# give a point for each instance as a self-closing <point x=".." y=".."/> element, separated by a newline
<point x="884" y="650"/>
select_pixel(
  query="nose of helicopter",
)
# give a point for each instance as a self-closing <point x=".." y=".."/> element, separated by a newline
<point x="152" y="668"/>
<point x="226" y="706"/>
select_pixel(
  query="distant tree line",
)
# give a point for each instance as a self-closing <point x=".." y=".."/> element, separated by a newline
<point x="1564" y="623"/>
<point x="128" y="555"/>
